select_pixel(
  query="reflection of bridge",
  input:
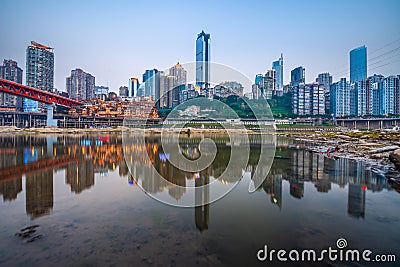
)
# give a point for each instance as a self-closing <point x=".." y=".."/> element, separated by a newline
<point x="38" y="95"/>
<point x="14" y="172"/>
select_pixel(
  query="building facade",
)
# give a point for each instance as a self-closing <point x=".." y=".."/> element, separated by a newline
<point x="297" y="76"/>
<point x="308" y="99"/>
<point x="179" y="73"/>
<point x="272" y="74"/>
<point x="10" y="71"/>
<point x="390" y="95"/>
<point x="278" y="67"/>
<point x="101" y="92"/>
<point x="39" y="72"/>
<point x="123" y="91"/>
<point x="81" y="85"/>
<point x="325" y="79"/>
<point x="340" y="98"/>
<point x="203" y="61"/>
<point x="133" y="87"/>
<point x="358" y="64"/>
<point x="151" y="84"/>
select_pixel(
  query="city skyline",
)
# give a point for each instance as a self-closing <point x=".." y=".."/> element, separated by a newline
<point x="122" y="57"/>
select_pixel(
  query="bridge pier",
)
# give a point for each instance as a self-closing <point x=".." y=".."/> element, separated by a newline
<point x="50" y="121"/>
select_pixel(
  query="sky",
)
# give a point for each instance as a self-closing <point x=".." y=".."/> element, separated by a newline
<point x="116" y="40"/>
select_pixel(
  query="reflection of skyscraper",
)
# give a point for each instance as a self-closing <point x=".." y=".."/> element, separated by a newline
<point x="39" y="193"/>
<point x="356" y="201"/>
<point x="273" y="187"/>
<point x="297" y="189"/>
<point x="10" y="189"/>
<point x="123" y="168"/>
<point x="80" y="176"/>
<point x="203" y="60"/>
<point x="202" y="195"/>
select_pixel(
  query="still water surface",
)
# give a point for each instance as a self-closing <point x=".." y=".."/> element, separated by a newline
<point x="90" y="211"/>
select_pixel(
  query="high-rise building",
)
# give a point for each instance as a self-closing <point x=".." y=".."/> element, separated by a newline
<point x="375" y="84"/>
<point x="39" y="71"/>
<point x="362" y="98"/>
<point x="133" y="87"/>
<point x="123" y="91"/>
<point x="308" y="99"/>
<point x="340" y="98"/>
<point x="278" y="67"/>
<point x="80" y="85"/>
<point x="390" y="95"/>
<point x="358" y="64"/>
<point x="203" y="60"/>
<point x="272" y="74"/>
<point x="169" y="94"/>
<point x="325" y="79"/>
<point x="267" y="86"/>
<point x="258" y="78"/>
<point x="151" y="84"/>
<point x="179" y="73"/>
<point x="297" y="76"/>
<point x="10" y="71"/>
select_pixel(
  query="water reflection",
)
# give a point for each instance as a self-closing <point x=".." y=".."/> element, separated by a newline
<point x="83" y="156"/>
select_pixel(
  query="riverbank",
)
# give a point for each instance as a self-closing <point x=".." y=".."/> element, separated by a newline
<point x="361" y="145"/>
<point x="376" y="147"/>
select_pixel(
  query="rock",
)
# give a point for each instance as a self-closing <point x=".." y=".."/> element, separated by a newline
<point x="394" y="157"/>
<point x="384" y="149"/>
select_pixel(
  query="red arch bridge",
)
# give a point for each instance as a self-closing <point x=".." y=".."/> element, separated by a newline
<point x="48" y="98"/>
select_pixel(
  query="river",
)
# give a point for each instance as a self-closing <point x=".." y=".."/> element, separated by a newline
<point x="90" y="210"/>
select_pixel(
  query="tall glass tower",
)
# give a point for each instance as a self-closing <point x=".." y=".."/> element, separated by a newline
<point x="203" y="60"/>
<point x="39" y="71"/>
<point x="278" y="67"/>
<point x="358" y="64"/>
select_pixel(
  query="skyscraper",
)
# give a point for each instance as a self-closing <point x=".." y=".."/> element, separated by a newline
<point x="179" y="73"/>
<point x="80" y="85"/>
<point x="390" y="95"/>
<point x="39" y="71"/>
<point x="375" y="84"/>
<point x="358" y="64"/>
<point x="133" y="87"/>
<point x="10" y="71"/>
<point x="278" y="67"/>
<point x="308" y="99"/>
<point x="152" y="84"/>
<point x="340" y="98"/>
<point x="272" y="74"/>
<point x="325" y="79"/>
<point x="298" y="75"/>
<point x="203" y="60"/>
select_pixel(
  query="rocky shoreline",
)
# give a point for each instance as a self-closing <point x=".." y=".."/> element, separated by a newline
<point x="379" y="148"/>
